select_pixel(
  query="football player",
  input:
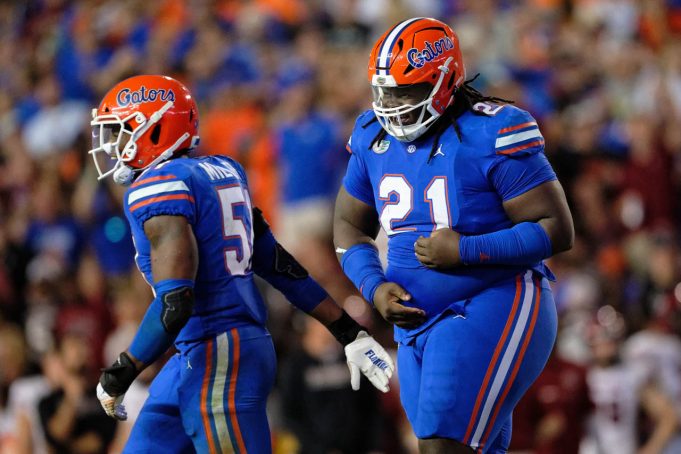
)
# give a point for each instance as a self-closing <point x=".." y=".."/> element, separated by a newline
<point x="199" y="242"/>
<point x="471" y="206"/>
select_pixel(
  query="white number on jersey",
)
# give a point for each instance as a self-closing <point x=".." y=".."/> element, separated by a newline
<point x="488" y="109"/>
<point x="237" y="256"/>
<point x="398" y="209"/>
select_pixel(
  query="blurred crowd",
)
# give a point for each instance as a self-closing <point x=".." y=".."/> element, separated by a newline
<point x="279" y="84"/>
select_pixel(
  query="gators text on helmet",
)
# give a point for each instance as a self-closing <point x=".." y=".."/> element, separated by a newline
<point x="414" y="70"/>
<point x="141" y="122"/>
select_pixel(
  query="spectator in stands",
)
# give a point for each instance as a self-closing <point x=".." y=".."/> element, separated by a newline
<point x="71" y="416"/>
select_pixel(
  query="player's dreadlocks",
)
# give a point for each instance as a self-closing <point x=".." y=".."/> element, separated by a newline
<point x="465" y="98"/>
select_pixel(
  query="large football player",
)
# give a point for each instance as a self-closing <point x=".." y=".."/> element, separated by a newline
<point x="471" y="206"/>
<point x="198" y="243"/>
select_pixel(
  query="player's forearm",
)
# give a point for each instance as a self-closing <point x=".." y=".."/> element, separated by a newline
<point x="523" y="244"/>
<point x="281" y="270"/>
<point x="343" y="327"/>
<point x="165" y="317"/>
<point x="327" y="311"/>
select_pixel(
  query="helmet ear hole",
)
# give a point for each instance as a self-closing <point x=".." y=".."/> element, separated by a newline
<point x="155" y="134"/>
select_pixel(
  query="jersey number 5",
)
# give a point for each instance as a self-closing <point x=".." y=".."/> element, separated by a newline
<point x="237" y="230"/>
<point x="398" y="195"/>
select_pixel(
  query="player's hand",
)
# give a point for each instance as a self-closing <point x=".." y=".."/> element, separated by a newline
<point x="440" y="250"/>
<point x="114" y="382"/>
<point x="112" y="405"/>
<point x="387" y="301"/>
<point x="365" y="355"/>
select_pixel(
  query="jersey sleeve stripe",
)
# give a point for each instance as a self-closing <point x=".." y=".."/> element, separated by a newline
<point x="517" y="138"/>
<point x="347" y="147"/>
<point x="154" y="189"/>
<point x="522" y="147"/>
<point x="161" y="199"/>
<point x="517" y="127"/>
<point x="153" y="179"/>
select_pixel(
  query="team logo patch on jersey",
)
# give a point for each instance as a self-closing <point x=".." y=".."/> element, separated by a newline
<point x="381" y="147"/>
<point x="418" y="58"/>
<point x="125" y="96"/>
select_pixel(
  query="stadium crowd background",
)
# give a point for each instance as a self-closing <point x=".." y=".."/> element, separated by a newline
<point x="279" y="84"/>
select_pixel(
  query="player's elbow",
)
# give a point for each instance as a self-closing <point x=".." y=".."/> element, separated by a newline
<point x="566" y="240"/>
<point x="561" y="232"/>
<point x="178" y="305"/>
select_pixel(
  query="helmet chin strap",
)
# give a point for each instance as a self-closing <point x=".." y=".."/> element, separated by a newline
<point x="124" y="175"/>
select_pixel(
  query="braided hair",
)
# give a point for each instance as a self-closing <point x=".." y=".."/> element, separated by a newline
<point x="464" y="100"/>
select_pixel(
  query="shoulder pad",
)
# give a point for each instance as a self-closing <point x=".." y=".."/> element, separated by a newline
<point x="366" y="118"/>
<point x="364" y="132"/>
<point x="517" y="133"/>
<point x="174" y="167"/>
<point x="165" y="189"/>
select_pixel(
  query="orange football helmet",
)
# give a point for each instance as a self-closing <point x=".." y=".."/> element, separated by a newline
<point x="141" y="122"/>
<point x="414" y="70"/>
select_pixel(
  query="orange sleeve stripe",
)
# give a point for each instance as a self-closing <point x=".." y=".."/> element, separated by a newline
<point x="347" y="147"/>
<point x="516" y="127"/>
<point x="161" y="199"/>
<point x="522" y="147"/>
<point x="152" y="179"/>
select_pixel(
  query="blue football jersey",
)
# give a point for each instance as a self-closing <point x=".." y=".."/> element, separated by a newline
<point x="463" y="187"/>
<point x="212" y="193"/>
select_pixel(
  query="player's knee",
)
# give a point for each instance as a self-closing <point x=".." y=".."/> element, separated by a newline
<point x="178" y="305"/>
<point x="443" y="446"/>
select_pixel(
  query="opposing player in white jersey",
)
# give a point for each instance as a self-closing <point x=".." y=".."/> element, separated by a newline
<point x="656" y="351"/>
<point x="618" y="391"/>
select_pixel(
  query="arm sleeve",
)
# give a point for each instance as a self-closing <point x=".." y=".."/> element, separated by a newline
<point x="281" y="270"/>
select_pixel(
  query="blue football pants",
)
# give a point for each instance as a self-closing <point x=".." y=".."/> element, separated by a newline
<point x="462" y="377"/>
<point x="210" y="398"/>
